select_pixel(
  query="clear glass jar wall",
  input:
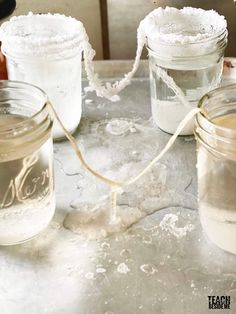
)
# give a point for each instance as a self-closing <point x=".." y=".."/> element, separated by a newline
<point x="215" y="132"/>
<point x="61" y="80"/>
<point x="195" y="67"/>
<point x="46" y="52"/>
<point x="27" y="201"/>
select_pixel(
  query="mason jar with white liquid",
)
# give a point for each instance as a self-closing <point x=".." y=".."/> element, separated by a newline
<point x="45" y="50"/>
<point x="215" y="131"/>
<point x="188" y="46"/>
<point x="27" y="200"/>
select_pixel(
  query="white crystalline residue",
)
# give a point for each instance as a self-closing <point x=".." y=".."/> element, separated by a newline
<point x="101" y="270"/>
<point x="55" y="225"/>
<point x="115" y="98"/>
<point x="91" y="220"/>
<point x="168" y="223"/>
<point x="132" y="129"/>
<point x="200" y="24"/>
<point x="125" y="253"/>
<point x="105" y="245"/>
<point x="192" y="284"/>
<point x="147" y="239"/>
<point x="100" y="106"/>
<point x="120" y="191"/>
<point x="89" y="275"/>
<point x="88" y="89"/>
<point x="35" y="34"/>
<point x="122" y="268"/>
<point x="148" y="269"/>
<point x="120" y="127"/>
<point x="191" y="24"/>
<point x="88" y="101"/>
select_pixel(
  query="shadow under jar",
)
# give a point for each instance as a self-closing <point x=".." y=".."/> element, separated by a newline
<point x="27" y="201"/>
<point x="215" y="131"/>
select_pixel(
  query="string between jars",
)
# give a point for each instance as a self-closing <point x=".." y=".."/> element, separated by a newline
<point x="115" y="184"/>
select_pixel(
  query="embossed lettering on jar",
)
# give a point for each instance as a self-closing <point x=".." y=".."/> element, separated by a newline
<point x="27" y="200"/>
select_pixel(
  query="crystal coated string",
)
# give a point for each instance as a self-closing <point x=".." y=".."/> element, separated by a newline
<point x="109" y="90"/>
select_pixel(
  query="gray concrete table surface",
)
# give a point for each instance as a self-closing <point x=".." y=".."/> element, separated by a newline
<point x="143" y="270"/>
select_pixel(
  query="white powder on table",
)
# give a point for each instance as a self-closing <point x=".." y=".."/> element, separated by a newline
<point x="93" y="221"/>
<point x="101" y="270"/>
<point x="122" y="268"/>
<point x="89" y="275"/>
<point x="120" y="127"/>
<point x="148" y="269"/>
<point x="168" y="223"/>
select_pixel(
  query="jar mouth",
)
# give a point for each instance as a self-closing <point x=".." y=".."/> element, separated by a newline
<point x="198" y="49"/>
<point x="41" y="35"/>
<point x="20" y="99"/>
<point x="217" y="103"/>
<point x="30" y="57"/>
<point x="220" y="102"/>
<point x="216" y="36"/>
<point x="190" y="25"/>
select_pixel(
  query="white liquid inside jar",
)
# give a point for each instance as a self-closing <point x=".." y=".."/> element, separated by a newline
<point x="190" y="50"/>
<point x="45" y="50"/>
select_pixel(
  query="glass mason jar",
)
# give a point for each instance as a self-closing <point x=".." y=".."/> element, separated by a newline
<point x="27" y="201"/>
<point x="215" y="131"/>
<point x="196" y="68"/>
<point x="45" y="50"/>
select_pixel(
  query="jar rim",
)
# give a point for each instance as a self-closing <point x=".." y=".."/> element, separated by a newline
<point x="220" y="39"/>
<point x="196" y="24"/>
<point x="195" y="42"/>
<point x="215" y="137"/>
<point x="53" y="55"/>
<point x="39" y="115"/>
<point x="203" y="102"/>
<point x="41" y="35"/>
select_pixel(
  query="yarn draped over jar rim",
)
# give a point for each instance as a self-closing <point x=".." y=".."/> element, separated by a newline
<point x="47" y="35"/>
